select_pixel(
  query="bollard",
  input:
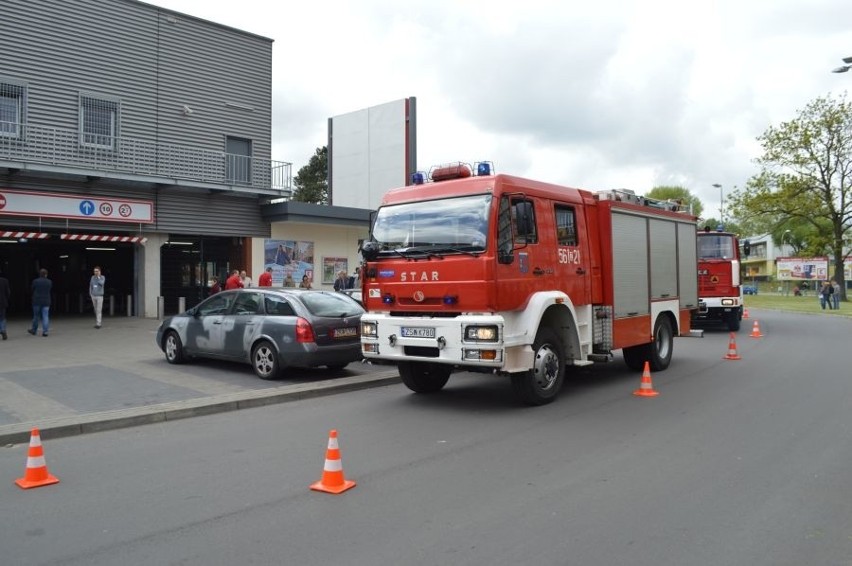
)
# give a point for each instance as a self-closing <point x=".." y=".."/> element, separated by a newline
<point x="112" y="305"/>
<point x="129" y="305"/>
<point x="81" y="303"/>
<point x="181" y="304"/>
<point x="161" y="305"/>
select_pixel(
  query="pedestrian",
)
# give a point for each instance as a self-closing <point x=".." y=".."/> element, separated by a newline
<point x="825" y="293"/>
<point x="342" y="282"/>
<point x="306" y="283"/>
<point x="234" y="281"/>
<point x="41" y="288"/>
<point x="96" y="292"/>
<point x="215" y="288"/>
<point x="246" y="279"/>
<point x="288" y="280"/>
<point x="265" y="279"/>
<point x="355" y="280"/>
<point x="835" y="294"/>
<point x="5" y="295"/>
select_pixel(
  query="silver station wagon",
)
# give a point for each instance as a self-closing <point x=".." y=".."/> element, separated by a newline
<point x="271" y="329"/>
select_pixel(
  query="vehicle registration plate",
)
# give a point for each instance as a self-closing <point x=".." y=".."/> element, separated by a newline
<point x="345" y="332"/>
<point x="417" y="332"/>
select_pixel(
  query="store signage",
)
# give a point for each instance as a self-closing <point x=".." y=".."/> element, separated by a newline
<point x="56" y="205"/>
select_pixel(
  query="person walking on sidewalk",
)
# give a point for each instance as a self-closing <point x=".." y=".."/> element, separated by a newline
<point x="5" y="295"/>
<point x="96" y="291"/>
<point x="41" y="287"/>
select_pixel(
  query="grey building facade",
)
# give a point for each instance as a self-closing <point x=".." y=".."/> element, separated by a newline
<point x="134" y="138"/>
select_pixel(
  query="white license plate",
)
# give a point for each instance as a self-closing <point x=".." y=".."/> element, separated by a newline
<point x="417" y="332"/>
<point x="345" y="332"/>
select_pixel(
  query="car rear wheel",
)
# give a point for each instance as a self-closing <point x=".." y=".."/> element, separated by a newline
<point x="173" y="348"/>
<point x="540" y="385"/>
<point x="264" y="360"/>
<point x="423" y="377"/>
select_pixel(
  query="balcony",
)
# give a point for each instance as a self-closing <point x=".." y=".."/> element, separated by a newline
<point x="65" y="151"/>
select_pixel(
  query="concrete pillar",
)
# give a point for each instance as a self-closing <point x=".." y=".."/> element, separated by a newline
<point x="129" y="305"/>
<point x="181" y="304"/>
<point x="161" y="306"/>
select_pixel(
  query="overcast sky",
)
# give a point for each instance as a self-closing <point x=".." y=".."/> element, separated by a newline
<point x="601" y="94"/>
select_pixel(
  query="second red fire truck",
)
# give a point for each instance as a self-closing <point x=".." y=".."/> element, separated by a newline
<point x="494" y="273"/>
<point x="720" y="293"/>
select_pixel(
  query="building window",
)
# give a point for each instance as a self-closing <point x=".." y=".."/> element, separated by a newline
<point x="238" y="160"/>
<point x="12" y="108"/>
<point x="98" y="121"/>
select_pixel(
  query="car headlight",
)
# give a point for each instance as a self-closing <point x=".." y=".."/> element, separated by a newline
<point x="480" y="333"/>
<point x="369" y="330"/>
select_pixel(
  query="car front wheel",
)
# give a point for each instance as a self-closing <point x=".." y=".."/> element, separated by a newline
<point x="264" y="360"/>
<point x="173" y="348"/>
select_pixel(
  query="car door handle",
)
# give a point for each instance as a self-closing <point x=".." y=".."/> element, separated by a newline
<point x="581" y="271"/>
<point x="538" y="271"/>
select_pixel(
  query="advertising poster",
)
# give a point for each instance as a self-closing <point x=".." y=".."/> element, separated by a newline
<point x="331" y="266"/>
<point x="802" y="268"/>
<point x="291" y="258"/>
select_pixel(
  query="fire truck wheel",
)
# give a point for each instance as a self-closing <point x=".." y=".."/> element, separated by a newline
<point x="660" y="350"/>
<point x="423" y="377"/>
<point x="541" y="384"/>
<point x="734" y="320"/>
<point x="635" y="357"/>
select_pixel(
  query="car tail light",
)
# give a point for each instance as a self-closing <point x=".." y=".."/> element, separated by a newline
<point x="304" y="331"/>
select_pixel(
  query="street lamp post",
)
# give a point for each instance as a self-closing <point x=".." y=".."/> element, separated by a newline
<point x="721" y="203"/>
<point x="784" y="239"/>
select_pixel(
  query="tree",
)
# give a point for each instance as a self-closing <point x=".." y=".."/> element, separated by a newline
<point x="677" y="193"/>
<point x="806" y="179"/>
<point x="311" y="181"/>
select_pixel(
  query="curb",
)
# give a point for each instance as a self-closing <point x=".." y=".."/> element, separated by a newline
<point x="19" y="433"/>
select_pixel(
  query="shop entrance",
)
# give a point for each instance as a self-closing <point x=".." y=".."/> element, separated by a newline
<point x="188" y="264"/>
<point x="69" y="265"/>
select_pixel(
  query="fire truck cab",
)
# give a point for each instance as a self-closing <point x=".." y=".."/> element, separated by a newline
<point x="720" y="286"/>
<point x="500" y="274"/>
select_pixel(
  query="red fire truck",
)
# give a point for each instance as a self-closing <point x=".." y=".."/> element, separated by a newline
<point x="494" y="273"/>
<point x="720" y="293"/>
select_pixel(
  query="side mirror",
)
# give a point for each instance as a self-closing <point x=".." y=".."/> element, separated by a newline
<point x="746" y="247"/>
<point x="370" y="250"/>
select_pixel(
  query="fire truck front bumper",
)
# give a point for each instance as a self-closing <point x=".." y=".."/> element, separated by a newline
<point x="472" y="341"/>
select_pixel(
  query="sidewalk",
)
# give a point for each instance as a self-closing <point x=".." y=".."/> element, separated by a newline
<point x="80" y="379"/>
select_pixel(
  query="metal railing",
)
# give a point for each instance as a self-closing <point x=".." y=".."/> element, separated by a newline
<point x="55" y="146"/>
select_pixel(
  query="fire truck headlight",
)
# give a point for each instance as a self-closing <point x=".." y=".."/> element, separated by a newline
<point x="369" y="330"/>
<point x="728" y="302"/>
<point x="480" y="333"/>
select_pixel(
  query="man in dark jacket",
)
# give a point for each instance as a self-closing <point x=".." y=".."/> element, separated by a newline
<point x="5" y="294"/>
<point x="42" y="286"/>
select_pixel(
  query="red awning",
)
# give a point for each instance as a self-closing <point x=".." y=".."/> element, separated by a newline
<point x="101" y="238"/>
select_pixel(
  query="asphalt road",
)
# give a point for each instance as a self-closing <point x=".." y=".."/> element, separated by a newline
<point x="735" y="462"/>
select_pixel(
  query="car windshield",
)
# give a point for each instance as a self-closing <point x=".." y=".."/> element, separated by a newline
<point x="449" y="225"/>
<point x="330" y="304"/>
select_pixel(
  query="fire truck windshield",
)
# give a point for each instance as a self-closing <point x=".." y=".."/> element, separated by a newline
<point x="453" y="225"/>
<point x="716" y="246"/>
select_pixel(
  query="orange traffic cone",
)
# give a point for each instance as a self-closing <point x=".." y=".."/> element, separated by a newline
<point x="646" y="388"/>
<point x="755" y="331"/>
<point x="332" y="473"/>
<point x="732" y="349"/>
<point x="745" y="313"/>
<point x="36" y="474"/>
